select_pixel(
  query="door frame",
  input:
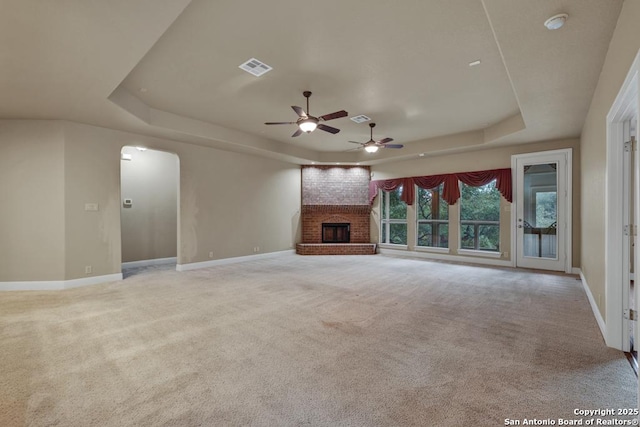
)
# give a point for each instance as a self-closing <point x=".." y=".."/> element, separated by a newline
<point x="170" y="260"/>
<point x="567" y="235"/>
<point x="625" y="106"/>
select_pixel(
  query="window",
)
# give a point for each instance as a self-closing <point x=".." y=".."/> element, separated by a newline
<point x="432" y="216"/>
<point x="480" y="217"/>
<point x="394" y="218"/>
<point x="546" y="205"/>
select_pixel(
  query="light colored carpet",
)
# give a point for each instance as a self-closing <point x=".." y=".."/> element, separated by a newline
<point x="316" y="340"/>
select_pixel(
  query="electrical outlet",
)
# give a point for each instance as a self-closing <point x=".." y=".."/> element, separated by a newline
<point x="505" y="254"/>
<point x="88" y="269"/>
<point x="211" y="254"/>
<point x="257" y="248"/>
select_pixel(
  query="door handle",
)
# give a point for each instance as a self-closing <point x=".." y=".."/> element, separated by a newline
<point x="520" y="226"/>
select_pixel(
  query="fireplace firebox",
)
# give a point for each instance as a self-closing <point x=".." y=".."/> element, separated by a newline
<point x="335" y="232"/>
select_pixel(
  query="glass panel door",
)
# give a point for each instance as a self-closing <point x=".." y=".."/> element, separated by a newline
<point x="540" y="209"/>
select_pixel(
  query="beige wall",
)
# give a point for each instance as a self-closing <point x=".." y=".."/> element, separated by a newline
<point x="32" y="224"/>
<point x="229" y="202"/>
<point x="149" y="225"/>
<point x="622" y="51"/>
<point x="92" y="175"/>
<point x="494" y="158"/>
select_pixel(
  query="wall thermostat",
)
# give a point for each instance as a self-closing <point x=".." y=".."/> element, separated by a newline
<point x="127" y="203"/>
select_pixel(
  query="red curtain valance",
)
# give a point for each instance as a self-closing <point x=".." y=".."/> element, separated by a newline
<point x="451" y="192"/>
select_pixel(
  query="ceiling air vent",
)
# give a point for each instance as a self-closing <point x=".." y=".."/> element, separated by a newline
<point x="360" y="119"/>
<point x="255" y="67"/>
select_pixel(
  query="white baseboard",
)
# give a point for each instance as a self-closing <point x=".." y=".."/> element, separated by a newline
<point x="594" y="307"/>
<point x="442" y="257"/>
<point x="148" y="262"/>
<point x="57" y="285"/>
<point x="233" y="260"/>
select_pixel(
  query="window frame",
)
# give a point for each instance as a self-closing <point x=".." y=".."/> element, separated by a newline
<point x="432" y="222"/>
<point x="476" y="251"/>
<point x="385" y="221"/>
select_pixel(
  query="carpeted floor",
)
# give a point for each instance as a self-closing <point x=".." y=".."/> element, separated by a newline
<point x="317" y="341"/>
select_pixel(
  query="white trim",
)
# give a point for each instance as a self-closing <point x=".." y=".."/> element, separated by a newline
<point x="148" y="262"/>
<point x="594" y="306"/>
<point x="233" y="260"/>
<point x="433" y="249"/>
<point x="57" y="285"/>
<point x="576" y="270"/>
<point x="479" y="253"/>
<point x="513" y="211"/>
<point x="626" y="100"/>
<point x="393" y="246"/>
<point x="568" y="246"/>
<point x="442" y="257"/>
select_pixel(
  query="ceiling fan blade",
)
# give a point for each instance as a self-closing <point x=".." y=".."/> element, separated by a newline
<point x="392" y="146"/>
<point x="335" y="115"/>
<point x="353" y="149"/>
<point x="298" y="132"/>
<point x="355" y="142"/>
<point x="328" y="128"/>
<point x="385" y="140"/>
<point x="280" y="123"/>
<point x="299" y="111"/>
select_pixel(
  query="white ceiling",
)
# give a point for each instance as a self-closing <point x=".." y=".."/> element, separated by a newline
<point x="404" y="64"/>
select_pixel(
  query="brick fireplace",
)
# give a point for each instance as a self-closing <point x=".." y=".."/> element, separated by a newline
<point x="335" y="195"/>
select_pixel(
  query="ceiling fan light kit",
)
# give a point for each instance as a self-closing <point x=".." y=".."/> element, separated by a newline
<point x="308" y="125"/>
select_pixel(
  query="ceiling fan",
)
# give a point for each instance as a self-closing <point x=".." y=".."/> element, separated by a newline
<point x="308" y="123"/>
<point x="372" y="146"/>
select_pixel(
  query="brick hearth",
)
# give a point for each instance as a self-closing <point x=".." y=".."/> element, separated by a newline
<point x="336" y="248"/>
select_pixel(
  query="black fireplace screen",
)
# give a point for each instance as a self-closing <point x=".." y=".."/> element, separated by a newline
<point x="335" y="233"/>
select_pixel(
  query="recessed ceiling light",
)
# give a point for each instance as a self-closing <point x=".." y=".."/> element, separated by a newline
<point x="421" y="154"/>
<point x="556" y="21"/>
<point x="474" y="63"/>
<point x="337" y="163"/>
